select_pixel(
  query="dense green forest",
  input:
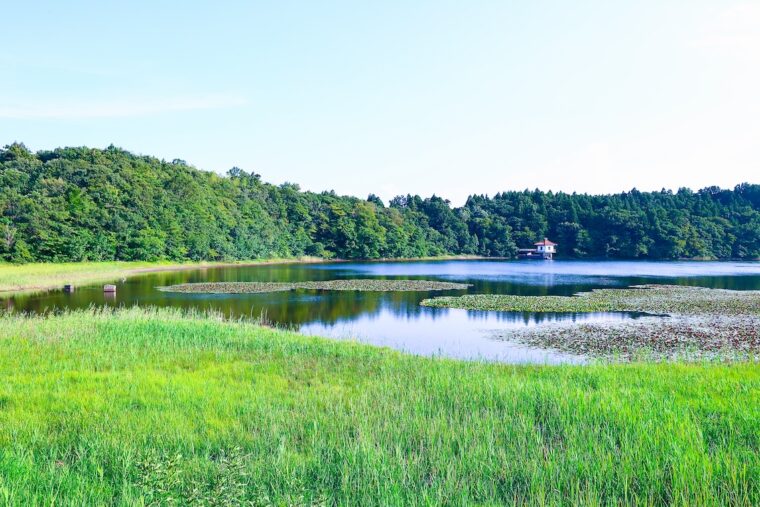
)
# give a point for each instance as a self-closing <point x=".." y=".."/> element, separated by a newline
<point x="75" y="204"/>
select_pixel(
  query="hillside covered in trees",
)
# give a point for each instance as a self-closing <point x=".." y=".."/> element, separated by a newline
<point x="75" y="204"/>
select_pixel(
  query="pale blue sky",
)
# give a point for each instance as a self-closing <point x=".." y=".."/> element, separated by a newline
<point x="425" y="97"/>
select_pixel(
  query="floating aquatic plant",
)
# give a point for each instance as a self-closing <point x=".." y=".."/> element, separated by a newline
<point x="688" y="338"/>
<point x="703" y="323"/>
<point x="344" y="285"/>
<point x="658" y="299"/>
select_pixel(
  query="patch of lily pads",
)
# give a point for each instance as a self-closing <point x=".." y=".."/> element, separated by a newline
<point x="369" y="285"/>
<point x="681" y="338"/>
<point x="655" y="299"/>
<point x="702" y="324"/>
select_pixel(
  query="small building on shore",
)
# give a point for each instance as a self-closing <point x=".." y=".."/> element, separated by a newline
<point x="544" y="250"/>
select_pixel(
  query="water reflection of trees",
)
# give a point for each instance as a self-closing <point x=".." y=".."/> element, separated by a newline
<point x="304" y="306"/>
<point x="535" y="318"/>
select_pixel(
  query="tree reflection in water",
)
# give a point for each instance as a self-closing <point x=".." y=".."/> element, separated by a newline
<point x="395" y="318"/>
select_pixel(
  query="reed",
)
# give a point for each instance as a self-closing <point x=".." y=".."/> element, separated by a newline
<point x="142" y="406"/>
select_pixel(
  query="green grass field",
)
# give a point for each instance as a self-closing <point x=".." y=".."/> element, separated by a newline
<point x="156" y="407"/>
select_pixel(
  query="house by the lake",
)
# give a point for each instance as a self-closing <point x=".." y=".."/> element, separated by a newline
<point x="543" y="250"/>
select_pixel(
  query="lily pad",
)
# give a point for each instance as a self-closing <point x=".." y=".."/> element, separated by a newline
<point x="370" y="285"/>
<point x="656" y="299"/>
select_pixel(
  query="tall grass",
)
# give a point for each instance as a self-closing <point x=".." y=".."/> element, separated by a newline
<point x="152" y="406"/>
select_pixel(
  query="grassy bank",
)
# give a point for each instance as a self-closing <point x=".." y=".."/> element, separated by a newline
<point x="149" y="406"/>
<point x="47" y="275"/>
<point x="43" y="276"/>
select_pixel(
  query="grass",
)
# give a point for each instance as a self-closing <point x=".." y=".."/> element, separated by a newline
<point x="44" y="276"/>
<point x="349" y="285"/>
<point x="657" y="299"/>
<point x="157" y="407"/>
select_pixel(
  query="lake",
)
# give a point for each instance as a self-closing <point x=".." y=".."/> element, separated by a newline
<point x="395" y="319"/>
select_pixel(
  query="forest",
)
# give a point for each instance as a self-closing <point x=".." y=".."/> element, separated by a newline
<point x="85" y="204"/>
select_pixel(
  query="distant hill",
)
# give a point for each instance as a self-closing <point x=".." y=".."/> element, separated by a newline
<point x="74" y="204"/>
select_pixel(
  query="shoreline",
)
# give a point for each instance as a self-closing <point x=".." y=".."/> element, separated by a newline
<point x="40" y="277"/>
<point x="77" y="275"/>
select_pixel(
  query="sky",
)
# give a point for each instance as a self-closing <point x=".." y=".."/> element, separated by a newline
<point x="425" y="97"/>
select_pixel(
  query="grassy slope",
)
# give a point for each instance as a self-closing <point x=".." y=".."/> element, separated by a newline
<point x="41" y="276"/>
<point x="147" y="406"/>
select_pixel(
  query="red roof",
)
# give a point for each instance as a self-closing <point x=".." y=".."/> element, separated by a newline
<point x="545" y="242"/>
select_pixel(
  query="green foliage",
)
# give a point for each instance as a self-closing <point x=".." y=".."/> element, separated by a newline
<point x="153" y="407"/>
<point x="168" y="480"/>
<point x="83" y="204"/>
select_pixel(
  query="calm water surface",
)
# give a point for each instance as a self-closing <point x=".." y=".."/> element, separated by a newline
<point x="395" y="319"/>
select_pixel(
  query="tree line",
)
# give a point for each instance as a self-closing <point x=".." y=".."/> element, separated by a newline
<point x="77" y="204"/>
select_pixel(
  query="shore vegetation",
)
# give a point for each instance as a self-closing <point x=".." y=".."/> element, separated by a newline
<point x="47" y="275"/>
<point x="157" y="407"/>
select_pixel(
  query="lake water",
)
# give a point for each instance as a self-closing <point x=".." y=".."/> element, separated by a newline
<point x="395" y="319"/>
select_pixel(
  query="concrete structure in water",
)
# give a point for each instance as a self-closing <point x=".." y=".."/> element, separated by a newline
<point x="544" y="250"/>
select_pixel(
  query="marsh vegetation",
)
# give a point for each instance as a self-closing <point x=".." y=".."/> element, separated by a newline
<point x="700" y="324"/>
<point x="656" y="299"/>
<point x="677" y="338"/>
<point x="158" y="406"/>
<point x="370" y="285"/>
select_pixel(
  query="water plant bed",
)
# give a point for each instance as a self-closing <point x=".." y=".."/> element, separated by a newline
<point x="656" y="299"/>
<point x="349" y="285"/>
<point x="703" y="324"/>
<point x="683" y="338"/>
